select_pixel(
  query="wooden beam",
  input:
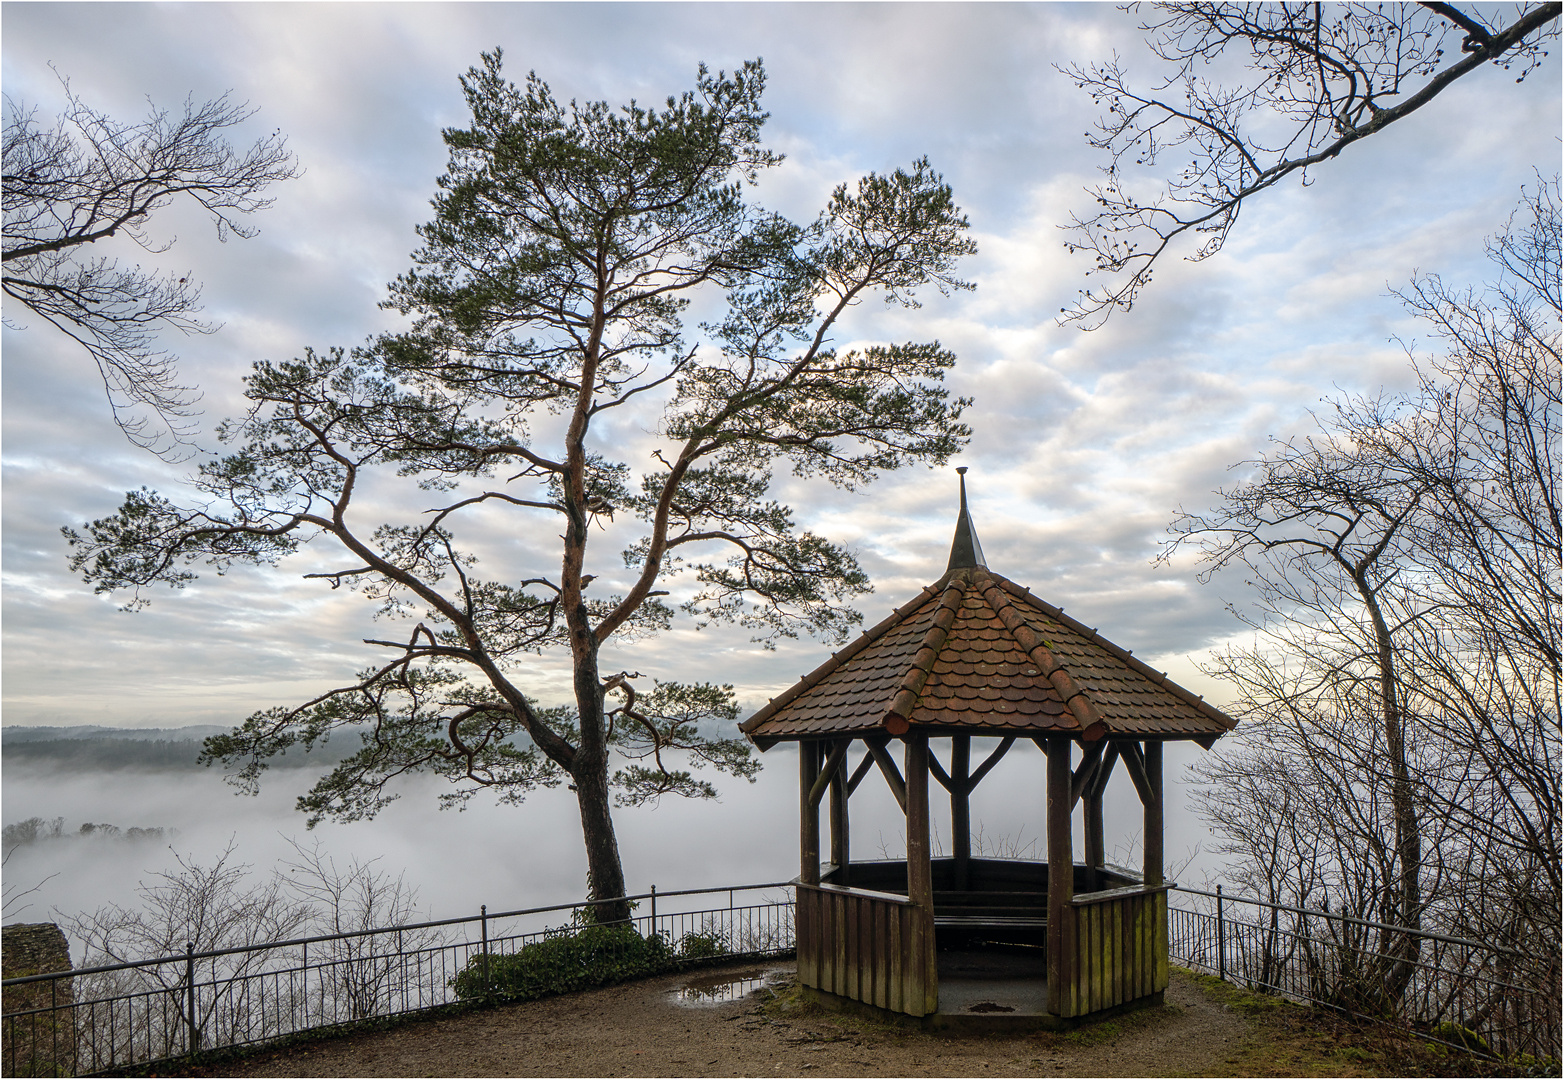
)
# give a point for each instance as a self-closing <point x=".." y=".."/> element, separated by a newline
<point x="1095" y="853"/>
<point x="989" y="762"/>
<point x="832" y="764"/>
<point x="859" y="772"/>
<point x="1135" y="765"/>
<point x="938" y="772"/>
<point x="840" y="855"/>
<point x="1095" y="846"/>
<point x="1104" y="772"/>
<point x="808" y="814"/>
<point x="960" y="788"/>
<point x="1061" y="869"/>
<point x="1153" y="825"/>
<point x="1091" y="758"/>
<point x="888" y="767"/>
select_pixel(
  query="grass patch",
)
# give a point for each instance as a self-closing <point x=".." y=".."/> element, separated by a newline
<point x="1288" y="1039"/>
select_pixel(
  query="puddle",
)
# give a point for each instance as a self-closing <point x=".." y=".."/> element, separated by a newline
<point x="990" y="1007"/>
<point x="706" y="990"/>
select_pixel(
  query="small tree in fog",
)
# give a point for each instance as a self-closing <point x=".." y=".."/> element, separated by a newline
<point x="204" y="906"/>
<point x="223" y="905"/>
<point x="358" y="972"/>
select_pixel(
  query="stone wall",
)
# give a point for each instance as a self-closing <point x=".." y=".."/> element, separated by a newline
<point x="32" y="949"/>
<point x="38" y="1037"/>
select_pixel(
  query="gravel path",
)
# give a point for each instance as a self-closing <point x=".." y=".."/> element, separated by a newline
<point x="642" y="1029"/>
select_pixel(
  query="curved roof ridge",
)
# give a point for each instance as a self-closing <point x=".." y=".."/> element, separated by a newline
<point x="899" y="715"/>
<point x="1088" y="718"/>
<point x="1119" y="652"/>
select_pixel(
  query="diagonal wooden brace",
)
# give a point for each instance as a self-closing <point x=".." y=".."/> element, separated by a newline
<point x="832" y="763"/>
<point x="1090" y="761"/>
<point x="1135" y="765"/>
<point x="887" y="766"/>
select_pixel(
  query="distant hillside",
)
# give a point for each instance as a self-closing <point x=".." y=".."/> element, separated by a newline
<point x="88" y="748"/>
<point x="194" y="733"/>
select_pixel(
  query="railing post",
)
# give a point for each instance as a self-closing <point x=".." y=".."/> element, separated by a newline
<point x="190" y="998"/>
<point x="1221" y="938"/>
<point x="654" y="909"/>
<point x="483" y="918"/>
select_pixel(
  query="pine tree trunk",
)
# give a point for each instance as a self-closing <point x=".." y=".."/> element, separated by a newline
<point x="605" y="875"/>
<point x="589" y="771"/>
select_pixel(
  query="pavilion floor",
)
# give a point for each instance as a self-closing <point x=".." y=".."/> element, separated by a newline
<point x="996" y="981"/>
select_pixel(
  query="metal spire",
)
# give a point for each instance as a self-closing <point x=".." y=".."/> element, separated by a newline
<point x="964" y="547"/>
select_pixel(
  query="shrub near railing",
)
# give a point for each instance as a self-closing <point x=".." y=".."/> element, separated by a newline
<point x="580" y="960"/>
<point x="583" y="959"/>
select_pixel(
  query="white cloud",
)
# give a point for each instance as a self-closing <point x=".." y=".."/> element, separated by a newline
<point x="1084" y="443"/>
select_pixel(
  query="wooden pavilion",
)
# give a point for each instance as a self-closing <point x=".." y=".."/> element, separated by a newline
<point x="975" y="655"/>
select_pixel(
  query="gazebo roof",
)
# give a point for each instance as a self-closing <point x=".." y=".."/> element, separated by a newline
<point x="977" y="654"/>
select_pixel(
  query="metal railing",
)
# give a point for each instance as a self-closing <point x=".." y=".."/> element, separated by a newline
<point x="95" y="1019"/>
<point x="1481" y="997"/>
<point x="1478" y="996"/>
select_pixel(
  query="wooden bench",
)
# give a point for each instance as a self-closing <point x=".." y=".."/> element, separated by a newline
<point x="977" y="909"/>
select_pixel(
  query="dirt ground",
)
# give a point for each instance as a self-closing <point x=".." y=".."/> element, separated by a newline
<point x="643" y="1029"/>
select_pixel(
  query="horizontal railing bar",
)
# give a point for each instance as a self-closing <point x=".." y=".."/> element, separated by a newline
<point x="702" y="892"/>
<point x="852" y="890"/>
<point x="130" y="965"/>
<point x="1102" y="896"/>
<point x="1429" y="934"/>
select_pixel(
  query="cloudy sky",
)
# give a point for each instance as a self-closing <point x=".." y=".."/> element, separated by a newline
<point x="1085" y="443"/>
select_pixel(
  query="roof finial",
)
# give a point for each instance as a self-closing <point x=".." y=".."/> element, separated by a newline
<point x="964" y="547"/>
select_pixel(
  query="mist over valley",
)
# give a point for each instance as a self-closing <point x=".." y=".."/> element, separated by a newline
<point x="503" y="856"/>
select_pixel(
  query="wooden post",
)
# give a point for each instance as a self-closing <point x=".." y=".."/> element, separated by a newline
<point x="839" y="845"/>
<point x="1061" y="872"/>
<point x="1153" y="827"/>
<point x="920" y="874"/>
<point x="961" y="808"/>
<point x="1095" y="855"/>
<point x="808" y="814"/>
<point x="922" y="980"/>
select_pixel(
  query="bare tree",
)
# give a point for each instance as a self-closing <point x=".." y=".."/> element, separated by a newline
<point x="11" y="893"/>
<point x="357" y="972"/>
<point x="1448" y="635"/>
<point x="204" y="907"/>
<point x="1485" y="439"/>
<point x="89" y="178"/>
<point x="1319" y="78"/>
<point x="1322" y="532"/>
<point x="208" y="908"/>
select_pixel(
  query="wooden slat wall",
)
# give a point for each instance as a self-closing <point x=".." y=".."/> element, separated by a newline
<point x="861" y="946"/>
<point x="1118" y="951"/>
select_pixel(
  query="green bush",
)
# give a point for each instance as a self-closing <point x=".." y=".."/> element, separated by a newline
<point x="592" y="956"/>
<point x="1464" y="1037"/>
<point x="704" y="945"/>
